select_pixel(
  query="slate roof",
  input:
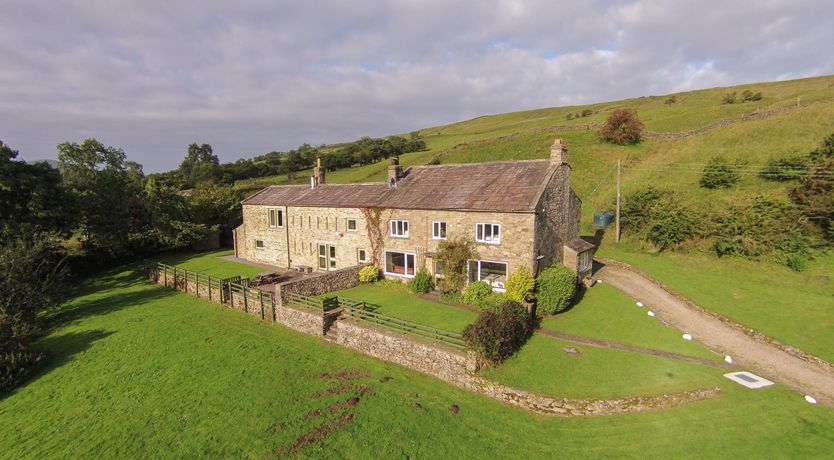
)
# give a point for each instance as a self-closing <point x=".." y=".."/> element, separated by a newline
<point x="502" y="186"/>
<point x="579" y="245"/>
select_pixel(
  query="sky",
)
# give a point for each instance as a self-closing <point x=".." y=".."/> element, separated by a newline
<point x="249" y="77"/>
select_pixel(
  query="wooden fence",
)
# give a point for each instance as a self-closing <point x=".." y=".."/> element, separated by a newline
<point x="233" y="291"/>
<point x="453" y="339"/>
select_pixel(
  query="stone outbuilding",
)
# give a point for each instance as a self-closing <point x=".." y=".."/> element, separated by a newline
<point x="520" y="213"/>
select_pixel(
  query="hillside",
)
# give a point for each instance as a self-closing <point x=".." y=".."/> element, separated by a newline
<point x="791" y="118"/>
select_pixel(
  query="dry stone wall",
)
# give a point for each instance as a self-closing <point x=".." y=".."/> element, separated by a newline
<point x="319" y="284"/>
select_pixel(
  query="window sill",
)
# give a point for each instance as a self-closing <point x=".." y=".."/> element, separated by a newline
<point x="399" y="275"/>
<point x="404" y="237"/>
<point x="488" y="242"/>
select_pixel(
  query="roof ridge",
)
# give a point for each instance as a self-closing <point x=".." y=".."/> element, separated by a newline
<point x="446" y="165"/>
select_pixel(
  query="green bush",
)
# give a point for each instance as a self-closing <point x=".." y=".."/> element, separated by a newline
<point x="520" y="285"/>
<point x="368" y="274"/>
<point x="455" y="255"/>
<point x="476" y="293"/>
<point x="638" y="209"/>
<point x="785" y="169"/>
<point x="718" y="173"/>
<point x="729" y="98"/>
<point x="657" y="217"/>
<point x="499" y="333"/>
<point x="796" y="262"/>
<point x="493" y="301"/>
<point x="421" y="283"/>
<point x="556" y="286"/>
<point x="763" y="228"/>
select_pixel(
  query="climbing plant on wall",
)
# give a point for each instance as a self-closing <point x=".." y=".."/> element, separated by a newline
<point x="373" y="225"/>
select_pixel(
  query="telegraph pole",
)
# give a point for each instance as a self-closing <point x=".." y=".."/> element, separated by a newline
<point x="617" y="224"/>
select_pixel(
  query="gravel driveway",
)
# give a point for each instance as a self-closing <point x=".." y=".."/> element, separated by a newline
<point x="807" y="377"/>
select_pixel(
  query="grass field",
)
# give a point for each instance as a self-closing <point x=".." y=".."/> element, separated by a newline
<point x="137" y="370"/>
<point x="209" y="263"/>
<point x="393" y="300"/>
<point x="606" y="313"/>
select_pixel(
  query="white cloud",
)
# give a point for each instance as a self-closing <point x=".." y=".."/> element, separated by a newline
<point x="250" y="77"/>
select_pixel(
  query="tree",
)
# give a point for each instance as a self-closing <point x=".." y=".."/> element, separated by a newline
<point x="215" y="205"/>
<point x="33" y="281"/>
<point x="105" y="196"/>
<point x="671" y="100"/>
<point x="32" y="199"/>
<point x="200" y="165"/>
<point x="623" y="126"/>
<point x="718" y="173"/>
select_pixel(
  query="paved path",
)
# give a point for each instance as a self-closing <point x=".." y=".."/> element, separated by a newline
<point x="756" y="355"/>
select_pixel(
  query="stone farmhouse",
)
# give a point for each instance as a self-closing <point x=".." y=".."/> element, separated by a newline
<point x="521" y="213"/>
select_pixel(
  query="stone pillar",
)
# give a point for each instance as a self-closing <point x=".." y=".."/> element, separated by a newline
<point x="559" y="152"/>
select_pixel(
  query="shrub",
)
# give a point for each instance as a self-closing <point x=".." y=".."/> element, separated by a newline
<point x="638" y="209"/>
<point x="587" y="113"/>
<point x="520" y="285"/>
<point x="796" y="262"/>
<point x="498" y="333"/>
<point x="421" y="283"/>
<point x="671" y="100"/>
<point x="476" y="293"/>
<point x="784" y="169"/>
<point x="455" y="254"/>
<point x="729" y="98"/>
<point x="748" y="95"/>
<point x="556" y="286"/>
<point x="762" y="228"/>
<point x="672" y="224"/>
<point x="569" y="117"/>
<point x="718" y="173"/>
<point x="493" y="301"/>
<point x="368" y="274"/>
<point x="623" y="126"/>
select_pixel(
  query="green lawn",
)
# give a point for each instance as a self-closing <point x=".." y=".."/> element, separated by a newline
<point x="210" y="263"/>
<point x="608" y="314"/>
<point x="543" y="367"/>
<point x="141" y="371"/>
<point x="390" y="299"/>
<point x="795" y="308"/>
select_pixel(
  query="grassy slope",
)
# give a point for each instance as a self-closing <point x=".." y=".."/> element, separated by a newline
<point x="795" y="308"/>
<point x="142" y="371"/>
<point x="209" y="264"/>
<point x="606" y="313"/>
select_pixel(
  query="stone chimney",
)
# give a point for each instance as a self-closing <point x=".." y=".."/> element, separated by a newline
<point x="318" y="174"/>
<point x="395" y="172"/>
<point x="559" y="152"/>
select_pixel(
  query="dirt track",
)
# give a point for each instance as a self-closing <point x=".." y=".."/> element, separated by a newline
<point x="755" y="355"/>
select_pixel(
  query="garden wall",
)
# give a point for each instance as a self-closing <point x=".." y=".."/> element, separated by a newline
<point x="430" y="358"/>
<point x="319" y="284"/>
<point x="308" y="322"/>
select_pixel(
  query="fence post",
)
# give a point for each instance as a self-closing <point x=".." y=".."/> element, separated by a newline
<point x="261" y="299"/>
<point x="245" y="300"/>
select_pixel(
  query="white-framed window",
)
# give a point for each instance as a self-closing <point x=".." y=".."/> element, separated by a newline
<point x="585" y="259"/>
<point x="488" y="233"/>
<point x="327" y="256"/>
<point x="399" y="228"/>
<point x="351" y="225"/>
<point x="361" y="256"/>
<point x="438" y="230"/>
<point x="259" y="244"/>
<point x="276" y="218"/>
<point x="399" y="263"/>
<point x="492" y="272"/>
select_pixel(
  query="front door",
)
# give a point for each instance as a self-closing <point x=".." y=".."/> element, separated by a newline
<point x="327" y="257"/>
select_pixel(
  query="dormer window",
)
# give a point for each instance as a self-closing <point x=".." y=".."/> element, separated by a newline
<point x="488" y="233"/>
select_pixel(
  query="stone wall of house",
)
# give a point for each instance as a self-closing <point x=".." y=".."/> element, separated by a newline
<point x="443" y="362"/>
<point x="558" y="215"/>
<point x="256" y="227"/>
<point x="318" y="284"/>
